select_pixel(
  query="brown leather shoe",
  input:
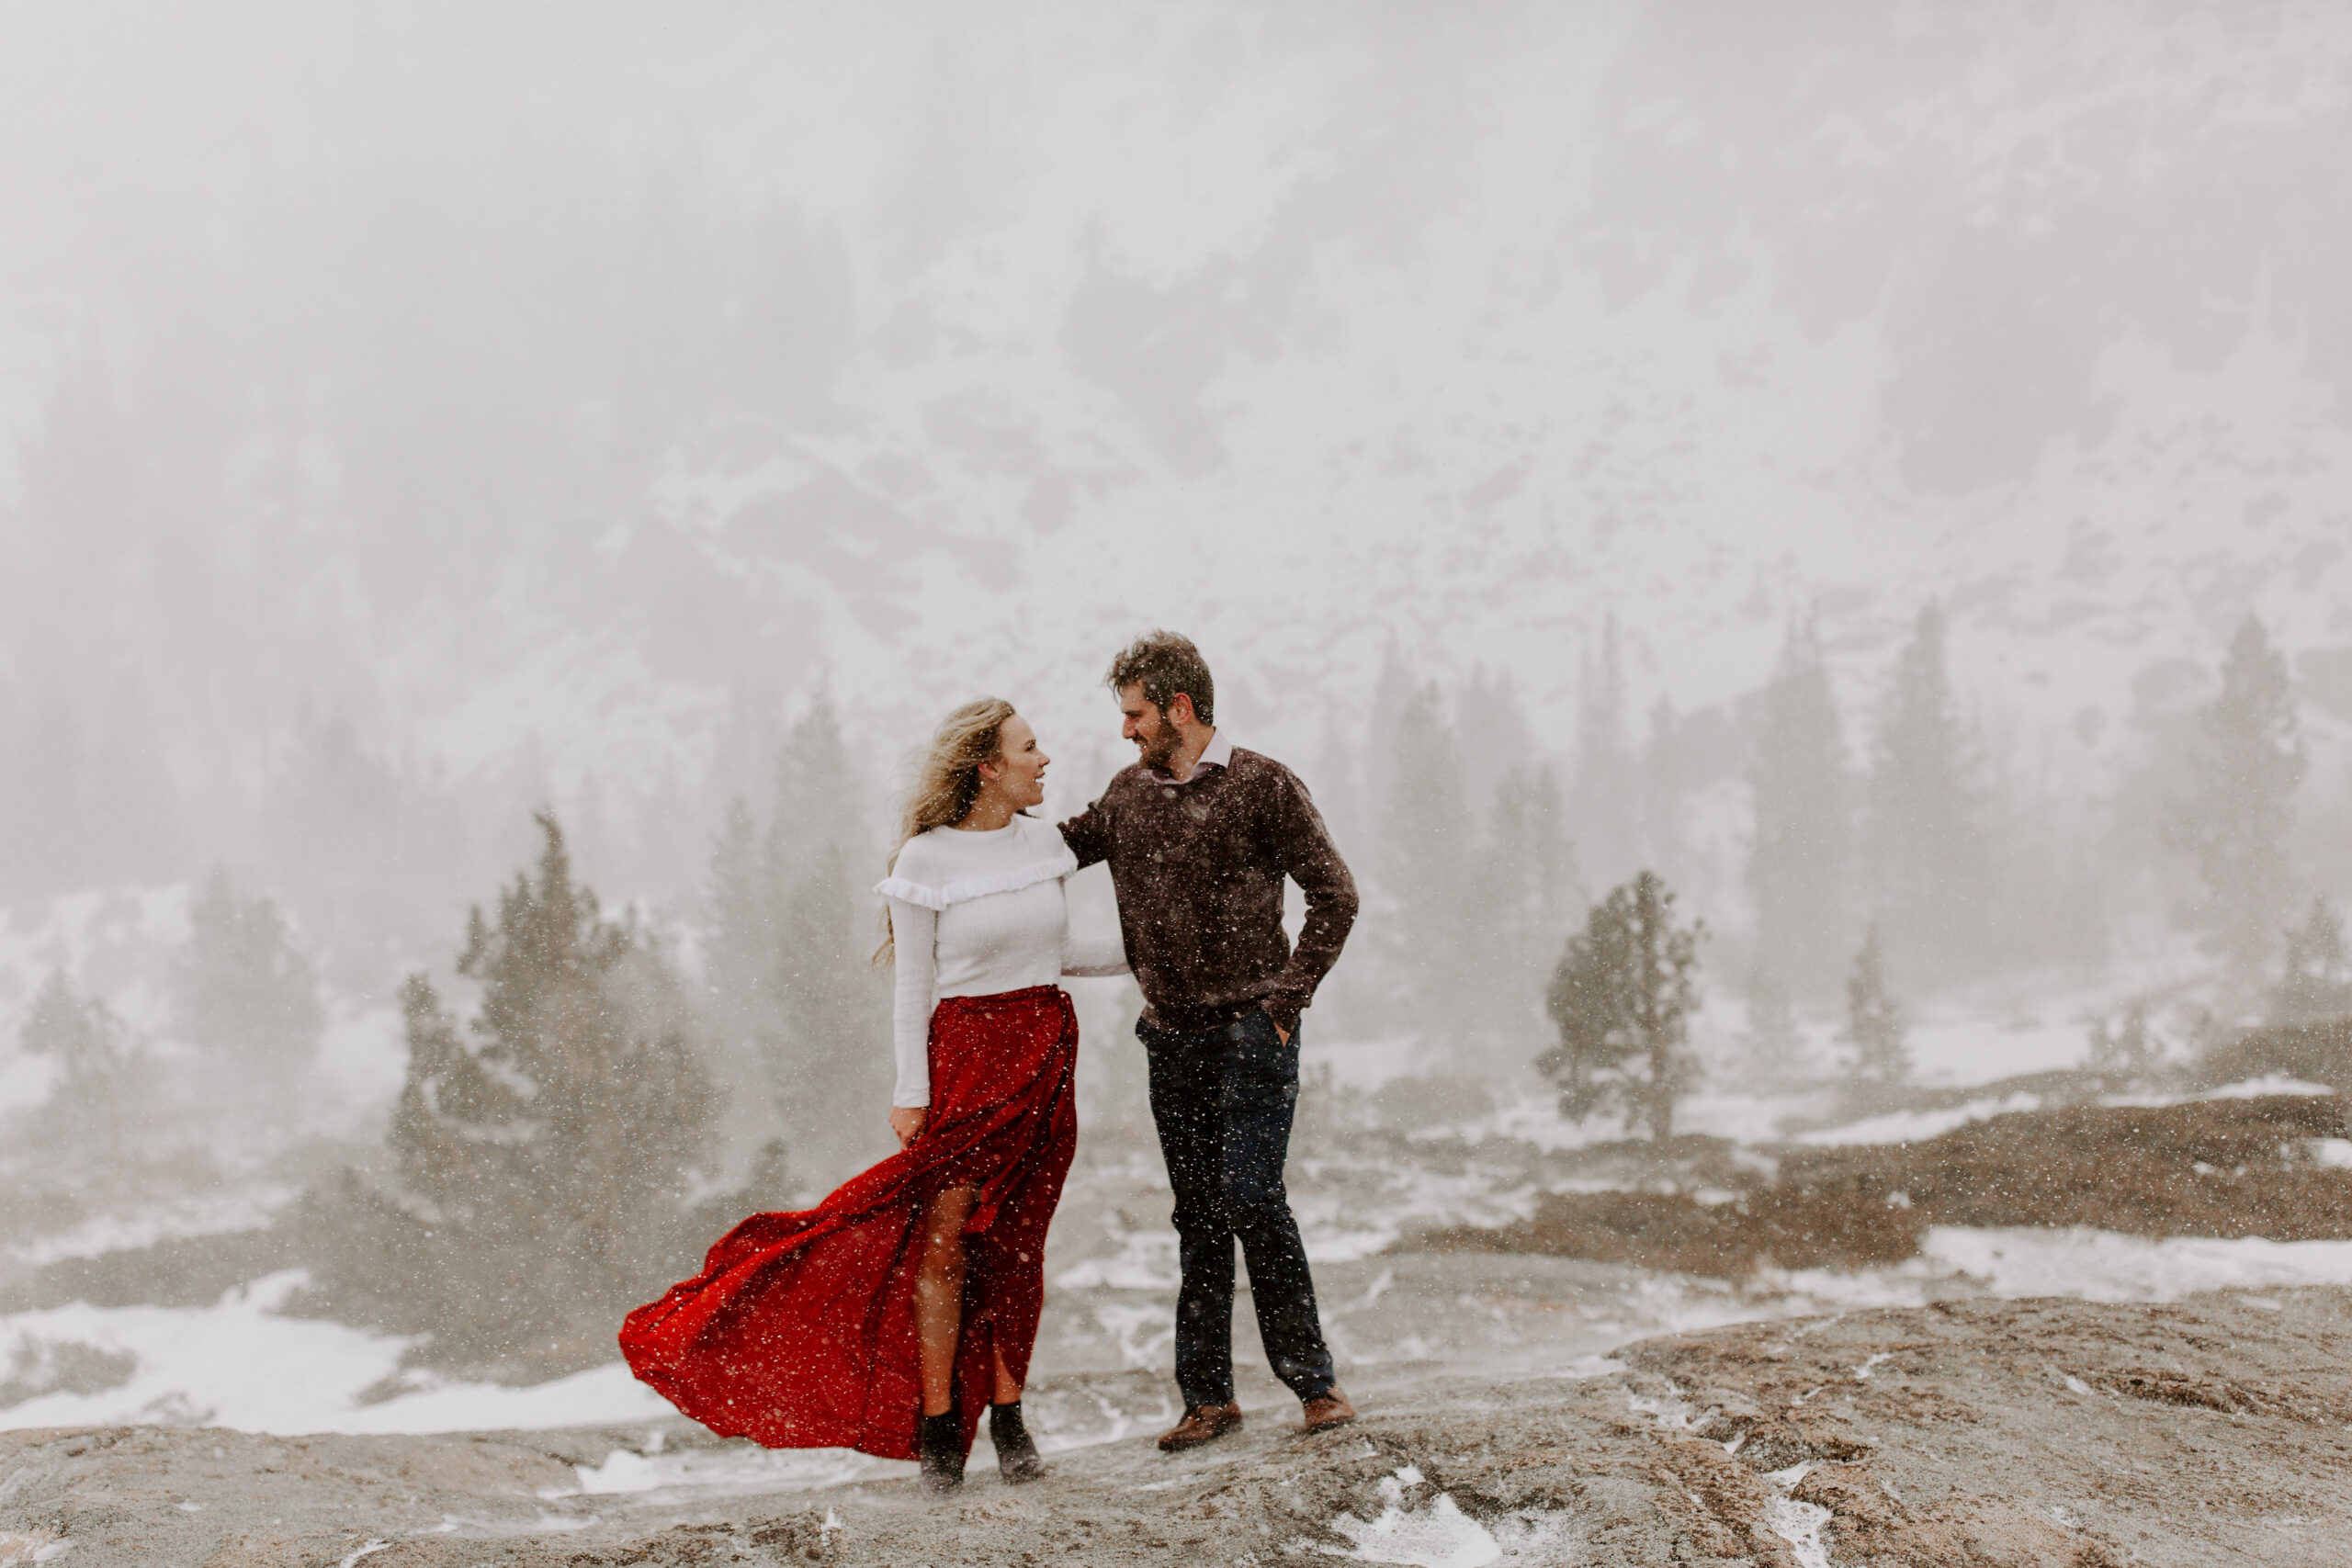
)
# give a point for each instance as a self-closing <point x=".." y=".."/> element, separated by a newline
<point x="1201" y="1424"/>
<point x="1331" y="1410"/>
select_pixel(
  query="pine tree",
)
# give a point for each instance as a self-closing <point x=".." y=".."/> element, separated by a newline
<point x="2316" y="983"/>
<point x="1426" y="866"/>
<point x="1338" y="782"/>
<point x="1601" y="795"/>
<point x="1521" y="889"/>
<point x="246" y="994"/>
<point x="369" y="827"/>
<point x="1621" y="998"/>
<point x="1928" y="855"/>
<point x="2123" y="1051"/>
<point x="1798" y="856"/>
<point x="1391" y="691"/>
<point x="44" y="799"/>
<point x="1771" y="1026"/>
<point x="2235" y="821"/>
<point x="91" y="1099"/>
<point x="738" y="968"/>
<point x="571" y="1124"/>
<point x="1874" y="1022"/>
<point x="1664" y="793"/>
<point x="1490" y="735"/>
<point x="828" y="1066"/>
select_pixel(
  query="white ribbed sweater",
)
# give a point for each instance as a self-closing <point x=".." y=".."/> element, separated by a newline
<point x="971" y="915"/>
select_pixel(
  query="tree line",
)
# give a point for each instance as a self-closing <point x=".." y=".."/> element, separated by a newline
<point x="1919" y="850"/>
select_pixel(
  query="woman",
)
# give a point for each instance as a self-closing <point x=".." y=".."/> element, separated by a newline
<point x="882" y="1319"/>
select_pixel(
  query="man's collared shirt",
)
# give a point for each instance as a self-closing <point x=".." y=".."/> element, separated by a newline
<point x="1217" y="753"/>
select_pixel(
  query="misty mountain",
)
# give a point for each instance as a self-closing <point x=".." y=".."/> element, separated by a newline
<point x="555" y="446"/>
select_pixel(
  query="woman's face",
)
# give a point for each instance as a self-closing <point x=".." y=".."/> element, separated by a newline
<point x="1021" y="766"/>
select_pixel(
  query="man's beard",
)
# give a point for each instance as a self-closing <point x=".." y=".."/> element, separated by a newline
<point x="1159" y="751"/>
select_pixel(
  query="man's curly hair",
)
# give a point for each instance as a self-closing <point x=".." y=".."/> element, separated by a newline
<point x="1163" y="664"/>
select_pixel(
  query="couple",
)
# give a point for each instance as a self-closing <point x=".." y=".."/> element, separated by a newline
<point x="882" y="1319"/>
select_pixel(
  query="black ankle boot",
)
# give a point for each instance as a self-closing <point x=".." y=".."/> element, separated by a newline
<point x="1016" y="1454"/>
<point x="942" y="1452"/>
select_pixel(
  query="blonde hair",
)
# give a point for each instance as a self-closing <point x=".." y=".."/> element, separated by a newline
<point x="947" y="780"/>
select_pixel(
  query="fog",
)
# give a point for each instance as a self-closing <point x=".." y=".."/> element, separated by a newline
<point x="1882" y="468"/>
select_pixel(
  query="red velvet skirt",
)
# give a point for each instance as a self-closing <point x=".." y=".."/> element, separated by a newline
<point x="799" y="1332"/>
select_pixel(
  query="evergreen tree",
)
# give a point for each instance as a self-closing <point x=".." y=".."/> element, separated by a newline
<point x="1664" y="795"/>
<point x="1874" y="1022"/>
<point x="1771" y="1026"/>
<point x="1521" y="890"/>
<point x="246" y="994"/>
<point x="44" y="795"/>
<point x="1490" y="736"/>
<point x="2236" y="819"/>
<point x="365" y="826"/>
<point x="91" y="1100"/>
<point x="828" y="1066"/>
<point x="790" y="927"/>
<point x="567" y="1130"/>
<point x="1621" y="998"/>
<point x="1928" y="855"/>
<point x="2124" y="1051"/>
<point x="1338" y="784"/>
<point x="2316" y="983"/>
<point x="1798" y="856"/>
<point x="739" y="967"/>
<point x="1425" y="865"/>
<point x="1601" y="794"/>
<point x="1392" y="690"/>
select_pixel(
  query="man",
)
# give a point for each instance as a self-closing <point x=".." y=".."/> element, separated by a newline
<point x="1200" y="835"/>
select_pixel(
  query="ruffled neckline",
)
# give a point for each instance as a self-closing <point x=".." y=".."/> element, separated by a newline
<point x="1060" y="862"/>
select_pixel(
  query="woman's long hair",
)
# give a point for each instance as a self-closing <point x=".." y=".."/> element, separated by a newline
<point x="947" y="780"/>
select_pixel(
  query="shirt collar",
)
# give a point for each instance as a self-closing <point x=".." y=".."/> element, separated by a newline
<point x="1217" y="753"/>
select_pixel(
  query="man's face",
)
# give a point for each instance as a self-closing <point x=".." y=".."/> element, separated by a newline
<point x="1143" y="722"/>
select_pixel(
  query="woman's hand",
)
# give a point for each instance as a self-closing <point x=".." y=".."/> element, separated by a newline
<point x="907" y="1121"/>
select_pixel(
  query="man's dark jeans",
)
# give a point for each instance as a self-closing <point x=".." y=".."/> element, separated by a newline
<point x="1223" y="1103"/>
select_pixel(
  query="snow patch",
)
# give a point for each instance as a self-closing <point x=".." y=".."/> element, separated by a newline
<point x="1799" y="1524"/>
<point x="2102" y="1266"/>
<point x="734" y="1470"/>
<point x="2088" y="1265"/>
<point x="1441" y="1536"/>
<point x="238" y="1363"/>
<point x="1918" y="1126"/>
<point x="199" y="1214"/>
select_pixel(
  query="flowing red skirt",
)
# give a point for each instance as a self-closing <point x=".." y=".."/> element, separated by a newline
<point x="799" y="1332"/>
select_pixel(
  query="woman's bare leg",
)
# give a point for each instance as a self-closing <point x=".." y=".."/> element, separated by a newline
<point x="939" y="1297"/>
<point x="939" y="1304"/>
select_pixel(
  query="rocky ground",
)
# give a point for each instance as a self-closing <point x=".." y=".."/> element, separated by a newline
<point x="2042" y="1432"/>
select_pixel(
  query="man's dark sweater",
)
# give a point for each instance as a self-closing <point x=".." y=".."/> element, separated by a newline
<point x="1199" y="870"/>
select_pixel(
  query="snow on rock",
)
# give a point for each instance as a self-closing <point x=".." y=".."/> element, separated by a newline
<point x="1440" y="1536"/>
<point x="1917" y="1126"/>
<point x="730" y="1472"/>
